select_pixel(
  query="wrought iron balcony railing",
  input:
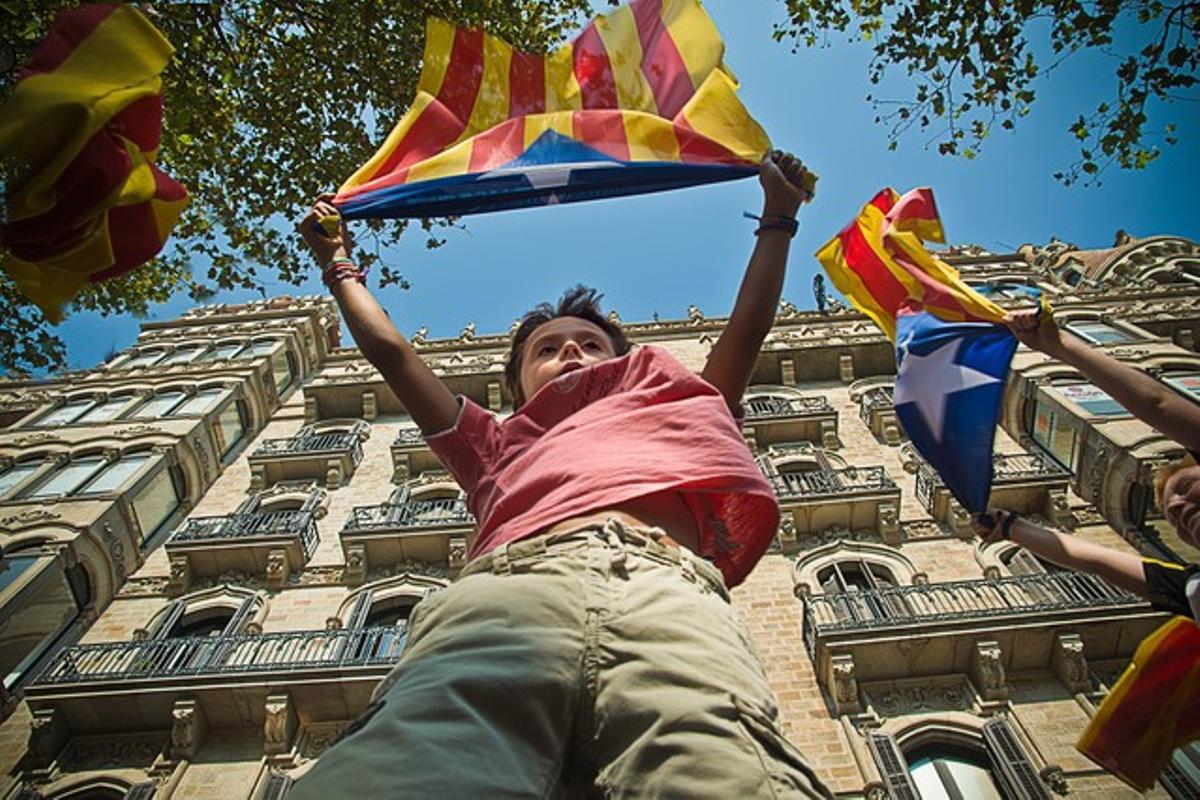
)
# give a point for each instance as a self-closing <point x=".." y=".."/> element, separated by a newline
<point x="292" y="651"/>
<point x="442" y="513"/>
<point x="1008" y="468"/>
<point x="873" y="400"/>
<point x="409" y="437"/>
<point x="337" y="442"/>
<point x="958" y="601"/>
<point x="821" y="483"/>
<point x="759" y="408"/>
<point x="257" y="525"/>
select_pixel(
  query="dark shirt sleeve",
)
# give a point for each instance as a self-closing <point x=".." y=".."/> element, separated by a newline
<point x="1167" y="585"/>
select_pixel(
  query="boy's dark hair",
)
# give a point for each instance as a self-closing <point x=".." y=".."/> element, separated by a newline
<point x="580" y="301"/>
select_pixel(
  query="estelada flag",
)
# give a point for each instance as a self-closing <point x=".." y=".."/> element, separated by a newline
<point x="879" y="261"/>
<point x="85" y="118"/>
<point x="1153" y="709"/>
<point x="640" y="101"/>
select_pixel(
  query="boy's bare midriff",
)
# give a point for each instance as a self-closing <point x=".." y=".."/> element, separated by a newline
<point x="665" y="510"/>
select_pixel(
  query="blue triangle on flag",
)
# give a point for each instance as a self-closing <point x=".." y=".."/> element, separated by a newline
<point x="554" y="148"/>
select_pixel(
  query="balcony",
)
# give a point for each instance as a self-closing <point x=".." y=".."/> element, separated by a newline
<point x="877" y="411"/>
<point x="1031" y="483"/>
<point x="434" y="530"/>
<point x="272" y="543"/>
<point x="330" y="457"/>
<point x="411" y="456"/>
<point x="854" y="498"/>
<point x="1055" y="620"/>
<point x="121" y="686"/>
<point x="775" y="418"/>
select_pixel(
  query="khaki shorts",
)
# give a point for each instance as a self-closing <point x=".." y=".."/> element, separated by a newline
<point x="593" y="663"/>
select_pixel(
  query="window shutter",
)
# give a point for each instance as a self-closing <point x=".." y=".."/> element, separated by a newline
<point x="278" y="786"/>
<point x="1024" y="562"/>
<point x="170" y="618"/>
<point x="1177" y="778"/>
<point x="142" y="791"/>
<point x="358" y="614"/>
<point x="892" y="767"/>
<point x="238" y="621"/>
<point x="1018" y="776"/>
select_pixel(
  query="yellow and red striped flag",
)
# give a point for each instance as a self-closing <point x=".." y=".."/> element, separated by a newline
<point x="880" y="263"/>
<point x="1153" y="709"/>
<point x="85" y="118"/>
<point x="640" y="101"/>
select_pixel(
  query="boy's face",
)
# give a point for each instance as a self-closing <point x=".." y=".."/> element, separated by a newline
<point x="1181" y="503"/>
<point x="561" y="345"/>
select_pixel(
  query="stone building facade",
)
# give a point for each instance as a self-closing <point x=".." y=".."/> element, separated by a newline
<point x="212" y="542"/>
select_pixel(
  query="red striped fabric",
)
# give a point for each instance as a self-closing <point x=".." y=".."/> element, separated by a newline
<point x="526" y="84"/>
<point x="604" y="131"/>
<point x="662" y="63"/>
<point x="597" y="87"/>
<point x="498" y="146"/>
<point x="465" y="73"/>
<point x="70" y="28"/>
<point x="698" y="148"/>
<point x="888" y="292"/>
<point x="134" y="231"/>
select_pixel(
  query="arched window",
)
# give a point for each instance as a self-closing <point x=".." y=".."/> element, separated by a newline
<point x="183" y="355"/>
<point x="15" y="475"/>
<point x="1098" y="332"/>
<point x="223" y="350"/>
<point x="946" y="771"/>
<point x="105" y="410"/>
<point x="66" y="413"/>
<point x="861" y="590"/>
<point x="159" y="405"/>
<point x="200" y="403"/>
<point x="143" y="358"/>
<point x="283" y="369"/>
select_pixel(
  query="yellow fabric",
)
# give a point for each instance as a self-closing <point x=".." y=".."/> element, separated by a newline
<point x="714" y="111"/>
<point x="697" y="39"/>
<point x="619" y="33"/>
<point x="492" y="101"/>
<point x="846" y="281"/>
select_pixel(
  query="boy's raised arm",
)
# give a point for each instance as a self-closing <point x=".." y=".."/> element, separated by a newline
<point x="432" y="406"/>
<point x="731" y="362"/>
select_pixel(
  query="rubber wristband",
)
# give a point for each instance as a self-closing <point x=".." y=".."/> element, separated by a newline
<point x="1006" y="526"/>
<point x="779" y="222"/>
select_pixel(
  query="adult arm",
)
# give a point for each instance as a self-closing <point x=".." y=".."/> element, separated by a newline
<point x="431" y="405"/>
<point x="1150" y="400"/>
<point x="1123" y="570"/>
<point x="731" y="362"/>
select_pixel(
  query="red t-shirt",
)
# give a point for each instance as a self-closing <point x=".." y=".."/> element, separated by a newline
<point x="612" y="432"/>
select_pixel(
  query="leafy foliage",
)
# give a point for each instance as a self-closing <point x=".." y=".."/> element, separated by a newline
<point x="267" y="103"/>
<point x="974" y="66"/>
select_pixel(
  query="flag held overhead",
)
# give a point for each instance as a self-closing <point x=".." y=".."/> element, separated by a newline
<point x="640" y="101"/>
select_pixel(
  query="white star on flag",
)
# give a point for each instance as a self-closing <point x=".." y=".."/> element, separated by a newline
<point x="928" y="381"/>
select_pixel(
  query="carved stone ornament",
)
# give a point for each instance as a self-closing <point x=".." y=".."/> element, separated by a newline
<point x="30" y="516"/>
<point x="48" y="733"/>
<point x="25" y="440"/>
<point x="187" y="729"/>
<point x="181" y="575"/>
<point x="918" y="695"/>
<point x="279" y="724"/>
<point x="1069" y="662"/>
<point x="317" y="737"/>
<point x="987" y="670"/>
<point x="111" y="751"/>
<point x="278" y="568"/>
<point x="355" y="572"/>
<point x="1055" y="778"/>
<point x="843" y="685"/>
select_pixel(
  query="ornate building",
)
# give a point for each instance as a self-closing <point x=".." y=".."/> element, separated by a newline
<point x="212" y="542"/>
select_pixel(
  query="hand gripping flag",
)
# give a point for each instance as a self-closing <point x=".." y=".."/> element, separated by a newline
<point x="952" y="361"/>
<point x="880" y="263"/>
<point x="1153" y="709"/>
<point x="640" y="101"/>
<point x="85" y="119"/>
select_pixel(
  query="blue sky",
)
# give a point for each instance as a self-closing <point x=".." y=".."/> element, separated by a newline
<point x="658" y="253"/>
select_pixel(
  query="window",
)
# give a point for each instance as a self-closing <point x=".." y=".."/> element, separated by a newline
<point x="1020" y="561"/>
<point x="226" y="350"/>
<point x="67" y="478"/>
<point x="1091" y="399"/>
<point x="1098" y="332"/>
<point x="106" y="409"/>
<point x="158" y="406"/>
<point x="945" y="772"/>
<point x="201" y="402"/>
<point x="39" y="616"/>
<point x="14" y="566"/>
<point x="1056" y="430"/>
<point x="88" y="475"/>
<point x="154" y="504"/>
<point x="858" y="590"/>
<point x="15" y="475"/>
<point x="143" y="358"/>
<point x="115" y="475"/>
<point x="260" y="348"/>
<point x="281" y="369"/>
<point x="66" y="413"/>
<point x="183" y="355"/>
<point x="1186" y="383"/>
<point x="231" y="424"/>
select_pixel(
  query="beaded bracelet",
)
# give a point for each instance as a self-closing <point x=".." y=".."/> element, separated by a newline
<point x="1006" y="526"/>
<point x="782" y="222"/>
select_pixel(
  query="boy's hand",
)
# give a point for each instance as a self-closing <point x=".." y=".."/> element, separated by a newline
<point x="325" y="247"/>
<point x="987" y="525"/>
<point x="1036" y="329"/>
<point x="786" y="183"/>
